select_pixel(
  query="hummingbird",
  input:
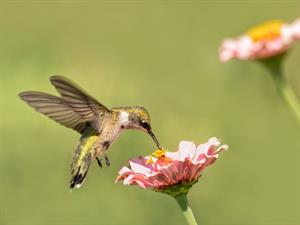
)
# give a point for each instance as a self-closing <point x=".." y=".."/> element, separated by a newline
<point x="98" y="125"/>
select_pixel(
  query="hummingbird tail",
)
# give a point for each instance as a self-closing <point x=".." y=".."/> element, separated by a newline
<point x="83" y="156"/>
<point x="79" y="177"/>
<point x="81" y="161"/>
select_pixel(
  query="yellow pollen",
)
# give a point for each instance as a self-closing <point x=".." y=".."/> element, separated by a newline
<point x="159" y="153"/>
<point x="266" y="31"/>
<point x="150" y="160"/>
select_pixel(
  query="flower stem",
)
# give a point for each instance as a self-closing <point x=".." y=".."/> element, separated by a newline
<point x="287" y="93"/>
<point x="186" y="209"/>
<point x="283" y="88"/>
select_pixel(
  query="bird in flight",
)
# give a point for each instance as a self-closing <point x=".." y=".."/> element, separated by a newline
<point x="98" y="125"/>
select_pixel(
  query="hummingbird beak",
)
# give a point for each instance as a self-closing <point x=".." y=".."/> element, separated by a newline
<point x="154" y="138"/>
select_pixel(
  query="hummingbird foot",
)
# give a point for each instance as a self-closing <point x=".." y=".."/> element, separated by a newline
<point x="99" y="162"/>
<point x="107" y="162"/>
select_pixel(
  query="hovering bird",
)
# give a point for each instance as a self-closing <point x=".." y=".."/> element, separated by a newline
<point x="98" y="125"/>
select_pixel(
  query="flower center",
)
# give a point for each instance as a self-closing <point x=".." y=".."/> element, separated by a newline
<point x="266" y="31"/>
<point x="160" y="155"/>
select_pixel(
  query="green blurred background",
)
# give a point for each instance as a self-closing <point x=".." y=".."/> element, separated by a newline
<point x="162" y="55"/>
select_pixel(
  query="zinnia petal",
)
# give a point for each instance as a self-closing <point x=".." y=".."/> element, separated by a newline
<point x="186" y="149"/>
<point x="139" y="165"/>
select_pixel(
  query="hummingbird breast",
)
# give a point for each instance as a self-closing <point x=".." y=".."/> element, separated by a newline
<point x="111" y="128"/>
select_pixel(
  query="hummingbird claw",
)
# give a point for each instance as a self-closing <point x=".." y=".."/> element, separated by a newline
<point x="99" y="162"/>
<point x="107" y="162"/>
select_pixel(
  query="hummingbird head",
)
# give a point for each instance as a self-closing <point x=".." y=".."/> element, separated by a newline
<point x="139" y="119"/>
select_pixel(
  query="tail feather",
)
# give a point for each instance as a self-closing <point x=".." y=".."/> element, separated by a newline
<point x="78" y="179"/>
<point x="83" y="157"/>
<point x="81" y="161"/>
<point x="79" y="169"/>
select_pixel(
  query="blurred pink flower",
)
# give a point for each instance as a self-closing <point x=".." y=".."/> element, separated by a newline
<point x="163" y="170"/>
<point x="266" y="40"/>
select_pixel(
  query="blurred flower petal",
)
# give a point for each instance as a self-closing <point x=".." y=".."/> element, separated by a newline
<point x="266" y="40"/>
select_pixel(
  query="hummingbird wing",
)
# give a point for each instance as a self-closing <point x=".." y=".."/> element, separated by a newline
<point x="83" y="104"/>
<point x="55" y="108"/>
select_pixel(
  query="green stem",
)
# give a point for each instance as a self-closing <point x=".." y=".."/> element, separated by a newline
<point x="283" y="88"/>
<point x="287" y="94"/>
<point x="274" y="65"/>
<point x="186" y="209"/>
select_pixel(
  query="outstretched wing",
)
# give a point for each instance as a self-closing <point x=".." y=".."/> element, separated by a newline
<point x="55" y="108"/>
<point x="84" y="105"/>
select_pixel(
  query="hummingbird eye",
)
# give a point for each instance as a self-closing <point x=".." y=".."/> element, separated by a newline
<point x="145" y="125"/>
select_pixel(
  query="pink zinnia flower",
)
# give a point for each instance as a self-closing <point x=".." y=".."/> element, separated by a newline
<point x="264" y="41"/>
<point x="172" y="172"/>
